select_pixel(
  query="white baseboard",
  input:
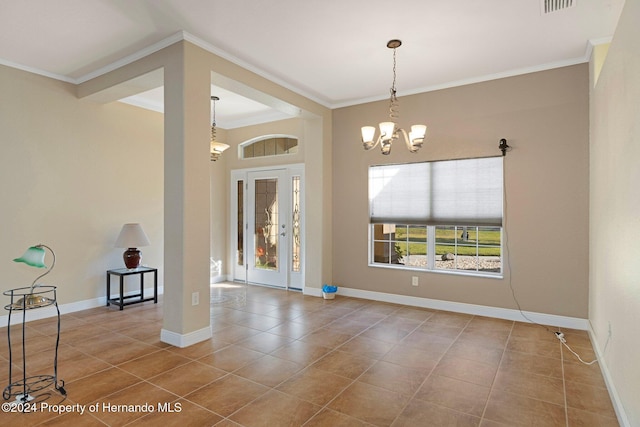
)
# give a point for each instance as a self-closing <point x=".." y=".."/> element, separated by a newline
<point x="459" y="307"/>
<point x="218" y="279"/>
<point x="314" y="292"/>
<point x="613" y="392"/>
<point x="185" y="340"/>
<point x="68" y="308"/>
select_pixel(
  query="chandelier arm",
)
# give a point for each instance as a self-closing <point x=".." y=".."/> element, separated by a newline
<point x="412" y="148"/>
<point x="406" y="139"/>
<point x="371" y="147"/>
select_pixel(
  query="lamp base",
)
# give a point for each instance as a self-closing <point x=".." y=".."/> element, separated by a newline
<point x="132" y="258"/>
<point x="31" y="301"/>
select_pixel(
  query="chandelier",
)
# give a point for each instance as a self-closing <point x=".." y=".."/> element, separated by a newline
<point x="216" y="147"/>
<point x="389" y="131"/>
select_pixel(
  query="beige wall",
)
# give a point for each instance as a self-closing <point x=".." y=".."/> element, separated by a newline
<point x="614" y="211"/>
<point x="544" y="117"/>
<point x="71" y="173"/>
<point x="76" y="152"/>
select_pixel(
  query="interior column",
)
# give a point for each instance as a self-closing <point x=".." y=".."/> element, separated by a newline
<point x="187" y="100"/>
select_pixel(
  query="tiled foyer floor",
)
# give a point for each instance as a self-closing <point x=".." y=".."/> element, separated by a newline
<point x="279" y="358"/>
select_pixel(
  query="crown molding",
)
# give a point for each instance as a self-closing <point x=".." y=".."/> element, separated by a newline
<point x="250" y="67"/>
<point x="141" y="102"/>
<point x="37" y="71"/>
<point x="464" y="82"/>
<point x="592" y="43"/>
<point x="183" y="35"/>
<point x="133" y="57"/>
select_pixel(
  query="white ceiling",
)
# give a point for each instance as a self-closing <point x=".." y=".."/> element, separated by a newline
<point x="332" y="51"/>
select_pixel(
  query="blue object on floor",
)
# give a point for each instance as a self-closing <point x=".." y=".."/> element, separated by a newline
<point x="329" y="289"/>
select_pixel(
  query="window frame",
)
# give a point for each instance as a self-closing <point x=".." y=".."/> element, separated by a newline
<point x="261" y="138"/>
<point x="456" y="194"/>
<point x="431" y="254"/>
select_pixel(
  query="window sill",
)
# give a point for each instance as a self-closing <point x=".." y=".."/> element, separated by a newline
<point x="401" y="267"/>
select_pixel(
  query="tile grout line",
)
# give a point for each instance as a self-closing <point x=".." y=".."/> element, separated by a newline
<point x="564" y="386"/>
<point x="504" y="351"/>
<point x="353" y="381"/>
<point x="413" y="396"/>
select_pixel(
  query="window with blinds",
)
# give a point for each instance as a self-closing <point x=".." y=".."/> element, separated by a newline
<point x="440" y="216"/>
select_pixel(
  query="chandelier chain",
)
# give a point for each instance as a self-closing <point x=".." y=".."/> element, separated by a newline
<point x="393" y="100"/>
<point x="213" y="121"/>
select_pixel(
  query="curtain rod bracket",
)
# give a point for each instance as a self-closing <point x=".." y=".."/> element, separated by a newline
<point x="504" y="147"/>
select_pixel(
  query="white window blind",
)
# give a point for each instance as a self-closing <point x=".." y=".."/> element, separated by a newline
<point x="451" y="192"/>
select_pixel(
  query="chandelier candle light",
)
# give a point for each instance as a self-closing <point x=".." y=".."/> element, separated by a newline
<point x="216" y="147"/>
<point x="389" y="131"/>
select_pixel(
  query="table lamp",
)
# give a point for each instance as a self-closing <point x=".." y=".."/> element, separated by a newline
<point x="132" y="236"/>
<point x="34" y="257"/>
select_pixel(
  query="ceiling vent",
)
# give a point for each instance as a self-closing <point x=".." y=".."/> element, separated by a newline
<point x="549" y="6"/>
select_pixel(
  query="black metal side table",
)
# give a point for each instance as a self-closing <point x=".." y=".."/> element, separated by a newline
<point x="123" y="300"/>
<point x="23" y="299"/>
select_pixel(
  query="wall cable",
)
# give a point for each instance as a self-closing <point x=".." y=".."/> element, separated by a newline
<point x="557" y="333"/>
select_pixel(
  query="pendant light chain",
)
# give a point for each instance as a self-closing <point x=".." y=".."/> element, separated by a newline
<point x="393" y="100"/>
<point x="213" y="123"/>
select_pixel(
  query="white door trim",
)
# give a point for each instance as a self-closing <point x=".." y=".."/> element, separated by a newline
<point x="294" y="279"/>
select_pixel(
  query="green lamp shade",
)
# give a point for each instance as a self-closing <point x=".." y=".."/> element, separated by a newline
<point x="34" y="256"/>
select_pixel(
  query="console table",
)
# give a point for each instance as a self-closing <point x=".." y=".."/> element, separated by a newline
<point x="123" y="300"/>
<point x="23" y="299"/>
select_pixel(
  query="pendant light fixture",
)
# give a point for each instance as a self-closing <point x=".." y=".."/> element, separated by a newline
<point x="389" y="131"/>
<point x="216" y="147"/>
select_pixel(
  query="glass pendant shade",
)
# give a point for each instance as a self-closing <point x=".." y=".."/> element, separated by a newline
<point x="417" y="133"/>
<point x="34" y="256"/>
<point x="386" y="130"/>
<point x="217" y="148"/>
<point x="368" y="132"/>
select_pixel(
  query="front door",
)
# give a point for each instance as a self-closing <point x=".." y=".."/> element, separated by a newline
<point x="268" y="229"/>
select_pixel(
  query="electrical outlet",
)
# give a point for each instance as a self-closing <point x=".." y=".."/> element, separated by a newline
<point x="195" y="298"/>
<point x="414" y="281"/>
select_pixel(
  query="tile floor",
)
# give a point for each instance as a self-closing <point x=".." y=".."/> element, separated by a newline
<point x="279" y="358"/>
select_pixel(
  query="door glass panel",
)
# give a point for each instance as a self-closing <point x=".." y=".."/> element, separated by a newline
<point x="295" y="224"/>
<point x="266" y="224"/>
<point x="240" y="219"/>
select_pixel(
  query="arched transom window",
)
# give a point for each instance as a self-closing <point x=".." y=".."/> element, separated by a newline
<point x="269" y="145"/>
